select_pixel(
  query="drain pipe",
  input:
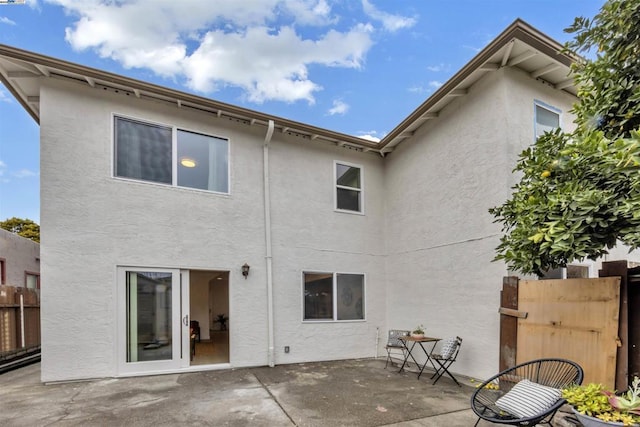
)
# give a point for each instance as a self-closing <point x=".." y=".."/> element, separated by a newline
<point x="267" y="236"/>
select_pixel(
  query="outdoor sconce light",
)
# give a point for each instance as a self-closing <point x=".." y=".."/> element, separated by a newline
<point x="245" y="270"/>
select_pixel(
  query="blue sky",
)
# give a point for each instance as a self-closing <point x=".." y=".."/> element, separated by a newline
<point x="354" y="66"/>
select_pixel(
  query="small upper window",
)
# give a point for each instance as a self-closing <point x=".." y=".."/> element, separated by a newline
<point x="348" y="187"/>
<point x="547" y="119"/>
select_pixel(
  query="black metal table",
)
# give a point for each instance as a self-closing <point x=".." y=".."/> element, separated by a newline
<point x="421" y="341"/>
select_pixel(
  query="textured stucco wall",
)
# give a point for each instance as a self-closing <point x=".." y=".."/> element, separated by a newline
<point x="425" y="242"/>
<point x="92" y="223"/>
<point x="308" y="235"/>
<point x="439" y="186"/>
<point x="21" y="255"/>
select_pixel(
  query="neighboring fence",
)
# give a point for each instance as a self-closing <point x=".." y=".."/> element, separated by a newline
<point x="19" y="320"/>
<point x="576" y="319"/>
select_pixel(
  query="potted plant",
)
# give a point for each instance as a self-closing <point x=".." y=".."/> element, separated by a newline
<point x="595" y="406"/>
<point x="418" y="332"/>
<point x="222" y="319"/>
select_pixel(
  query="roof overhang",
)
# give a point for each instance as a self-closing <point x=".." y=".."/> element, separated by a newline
<point x="520" y="45"/>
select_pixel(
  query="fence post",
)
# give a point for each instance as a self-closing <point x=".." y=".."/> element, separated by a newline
<point x="612" y="269"/>
<point x="22" y="320"/>
<point x="508" y="323"/>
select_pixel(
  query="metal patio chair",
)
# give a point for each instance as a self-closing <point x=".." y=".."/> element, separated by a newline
<point x="445" y="358"/>
<point x="395" y="346"/>
<point x="527" y="394"/>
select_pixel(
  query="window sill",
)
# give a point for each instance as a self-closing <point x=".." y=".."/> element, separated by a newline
<point x="345" y="211"/>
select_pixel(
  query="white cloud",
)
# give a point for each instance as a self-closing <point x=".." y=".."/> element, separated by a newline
<point x="4" y="97"/>
<point x="370" y="135"/>
<point x="390" y="22"/>
<point x="438" y="67"/>
<point x="472" y="48"/>
<point x="417" y="89"/>
<point x="257" y="45"/>
<point x="5" y="20"/>
<point x="24" y="173"/>
<point x="435" y="84"/>
<point x="339" y="107"/>
<point x="3" y="167"/>
<point x="272" y="66"/>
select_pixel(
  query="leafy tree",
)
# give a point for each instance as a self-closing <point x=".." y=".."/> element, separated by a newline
<point x="580" y="193"/>
<point x="22" y="227"/>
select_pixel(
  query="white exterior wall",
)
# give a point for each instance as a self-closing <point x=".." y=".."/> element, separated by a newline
<point x="20" y="255"/>
<point x="91" y="223"/>
<point x="441" y="238"/>
<point x="308" y="235"/>
<point x="425" y="241"/>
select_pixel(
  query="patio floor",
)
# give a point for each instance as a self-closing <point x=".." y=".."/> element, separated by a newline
<point x="340" y="393"/>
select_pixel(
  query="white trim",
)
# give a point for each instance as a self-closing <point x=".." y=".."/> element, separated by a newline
<point x="334" y="290"/>
<point x="336" y="186"/>
<point x="550" y="108"/>
<point x="155" y="366"/>
<point x="174" y="153"/>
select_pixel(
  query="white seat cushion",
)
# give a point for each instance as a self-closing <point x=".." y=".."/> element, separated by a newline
<point x="448" y="347"/>
<point x="528" y="399"/>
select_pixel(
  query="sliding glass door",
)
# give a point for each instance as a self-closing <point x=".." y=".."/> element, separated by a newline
<point x="151" y="320"/>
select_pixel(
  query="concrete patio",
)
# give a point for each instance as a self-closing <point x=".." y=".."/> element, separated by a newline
<point x="341" y="393"/>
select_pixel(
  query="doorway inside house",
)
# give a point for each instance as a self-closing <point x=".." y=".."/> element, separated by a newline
<point x="209" y="317"/>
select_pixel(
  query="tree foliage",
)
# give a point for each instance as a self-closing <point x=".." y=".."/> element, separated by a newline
<point x="22" y="227"/>
<point x="580" y="192"/>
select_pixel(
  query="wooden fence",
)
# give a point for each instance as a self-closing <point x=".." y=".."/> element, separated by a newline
<point x="19" y="319"/>
<point x="575" y="319"/>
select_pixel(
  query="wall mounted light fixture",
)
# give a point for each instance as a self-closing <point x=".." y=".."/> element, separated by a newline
<point x="245" y="270"/>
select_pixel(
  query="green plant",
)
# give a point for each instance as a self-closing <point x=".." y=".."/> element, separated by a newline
<point x="595" y="401"/>
<point x="418" y="330"/>
<point x="579" y="192"/>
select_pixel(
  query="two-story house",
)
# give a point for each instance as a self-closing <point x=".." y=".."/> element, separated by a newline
<point x="161" y="207"/>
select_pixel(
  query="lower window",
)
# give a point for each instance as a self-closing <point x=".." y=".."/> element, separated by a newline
<point x="333" y="296"/>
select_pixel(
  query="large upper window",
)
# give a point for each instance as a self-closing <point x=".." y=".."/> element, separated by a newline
<point x="333" y="296"/>
<point x="165" y="155"/>
<point x="547" y="119"/>
<point x="348" y="180"/>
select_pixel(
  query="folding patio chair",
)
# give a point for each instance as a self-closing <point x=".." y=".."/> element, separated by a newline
<point x="445" y="358"/>
<point x="395" y="346"/>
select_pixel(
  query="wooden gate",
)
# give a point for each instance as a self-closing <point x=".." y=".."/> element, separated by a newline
<point x="575" y="319"/>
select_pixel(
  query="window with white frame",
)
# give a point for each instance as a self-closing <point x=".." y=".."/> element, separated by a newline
<point x="348" y="179"/>
<point x="333" y="296"/>
<point x="547" y="119"/>
<point x="166" y="155"/>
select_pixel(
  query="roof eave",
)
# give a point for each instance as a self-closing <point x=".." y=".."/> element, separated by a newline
<point x="519" y="30"/>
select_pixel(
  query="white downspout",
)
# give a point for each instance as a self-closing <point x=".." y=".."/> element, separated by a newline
<point x="267" y="235"/>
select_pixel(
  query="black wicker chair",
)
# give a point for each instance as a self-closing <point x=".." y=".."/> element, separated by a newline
<point x="556" y="373"/>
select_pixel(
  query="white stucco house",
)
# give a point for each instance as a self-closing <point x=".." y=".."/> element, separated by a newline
<point x="19" y="261"/>
<point x="153" y="200"/>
